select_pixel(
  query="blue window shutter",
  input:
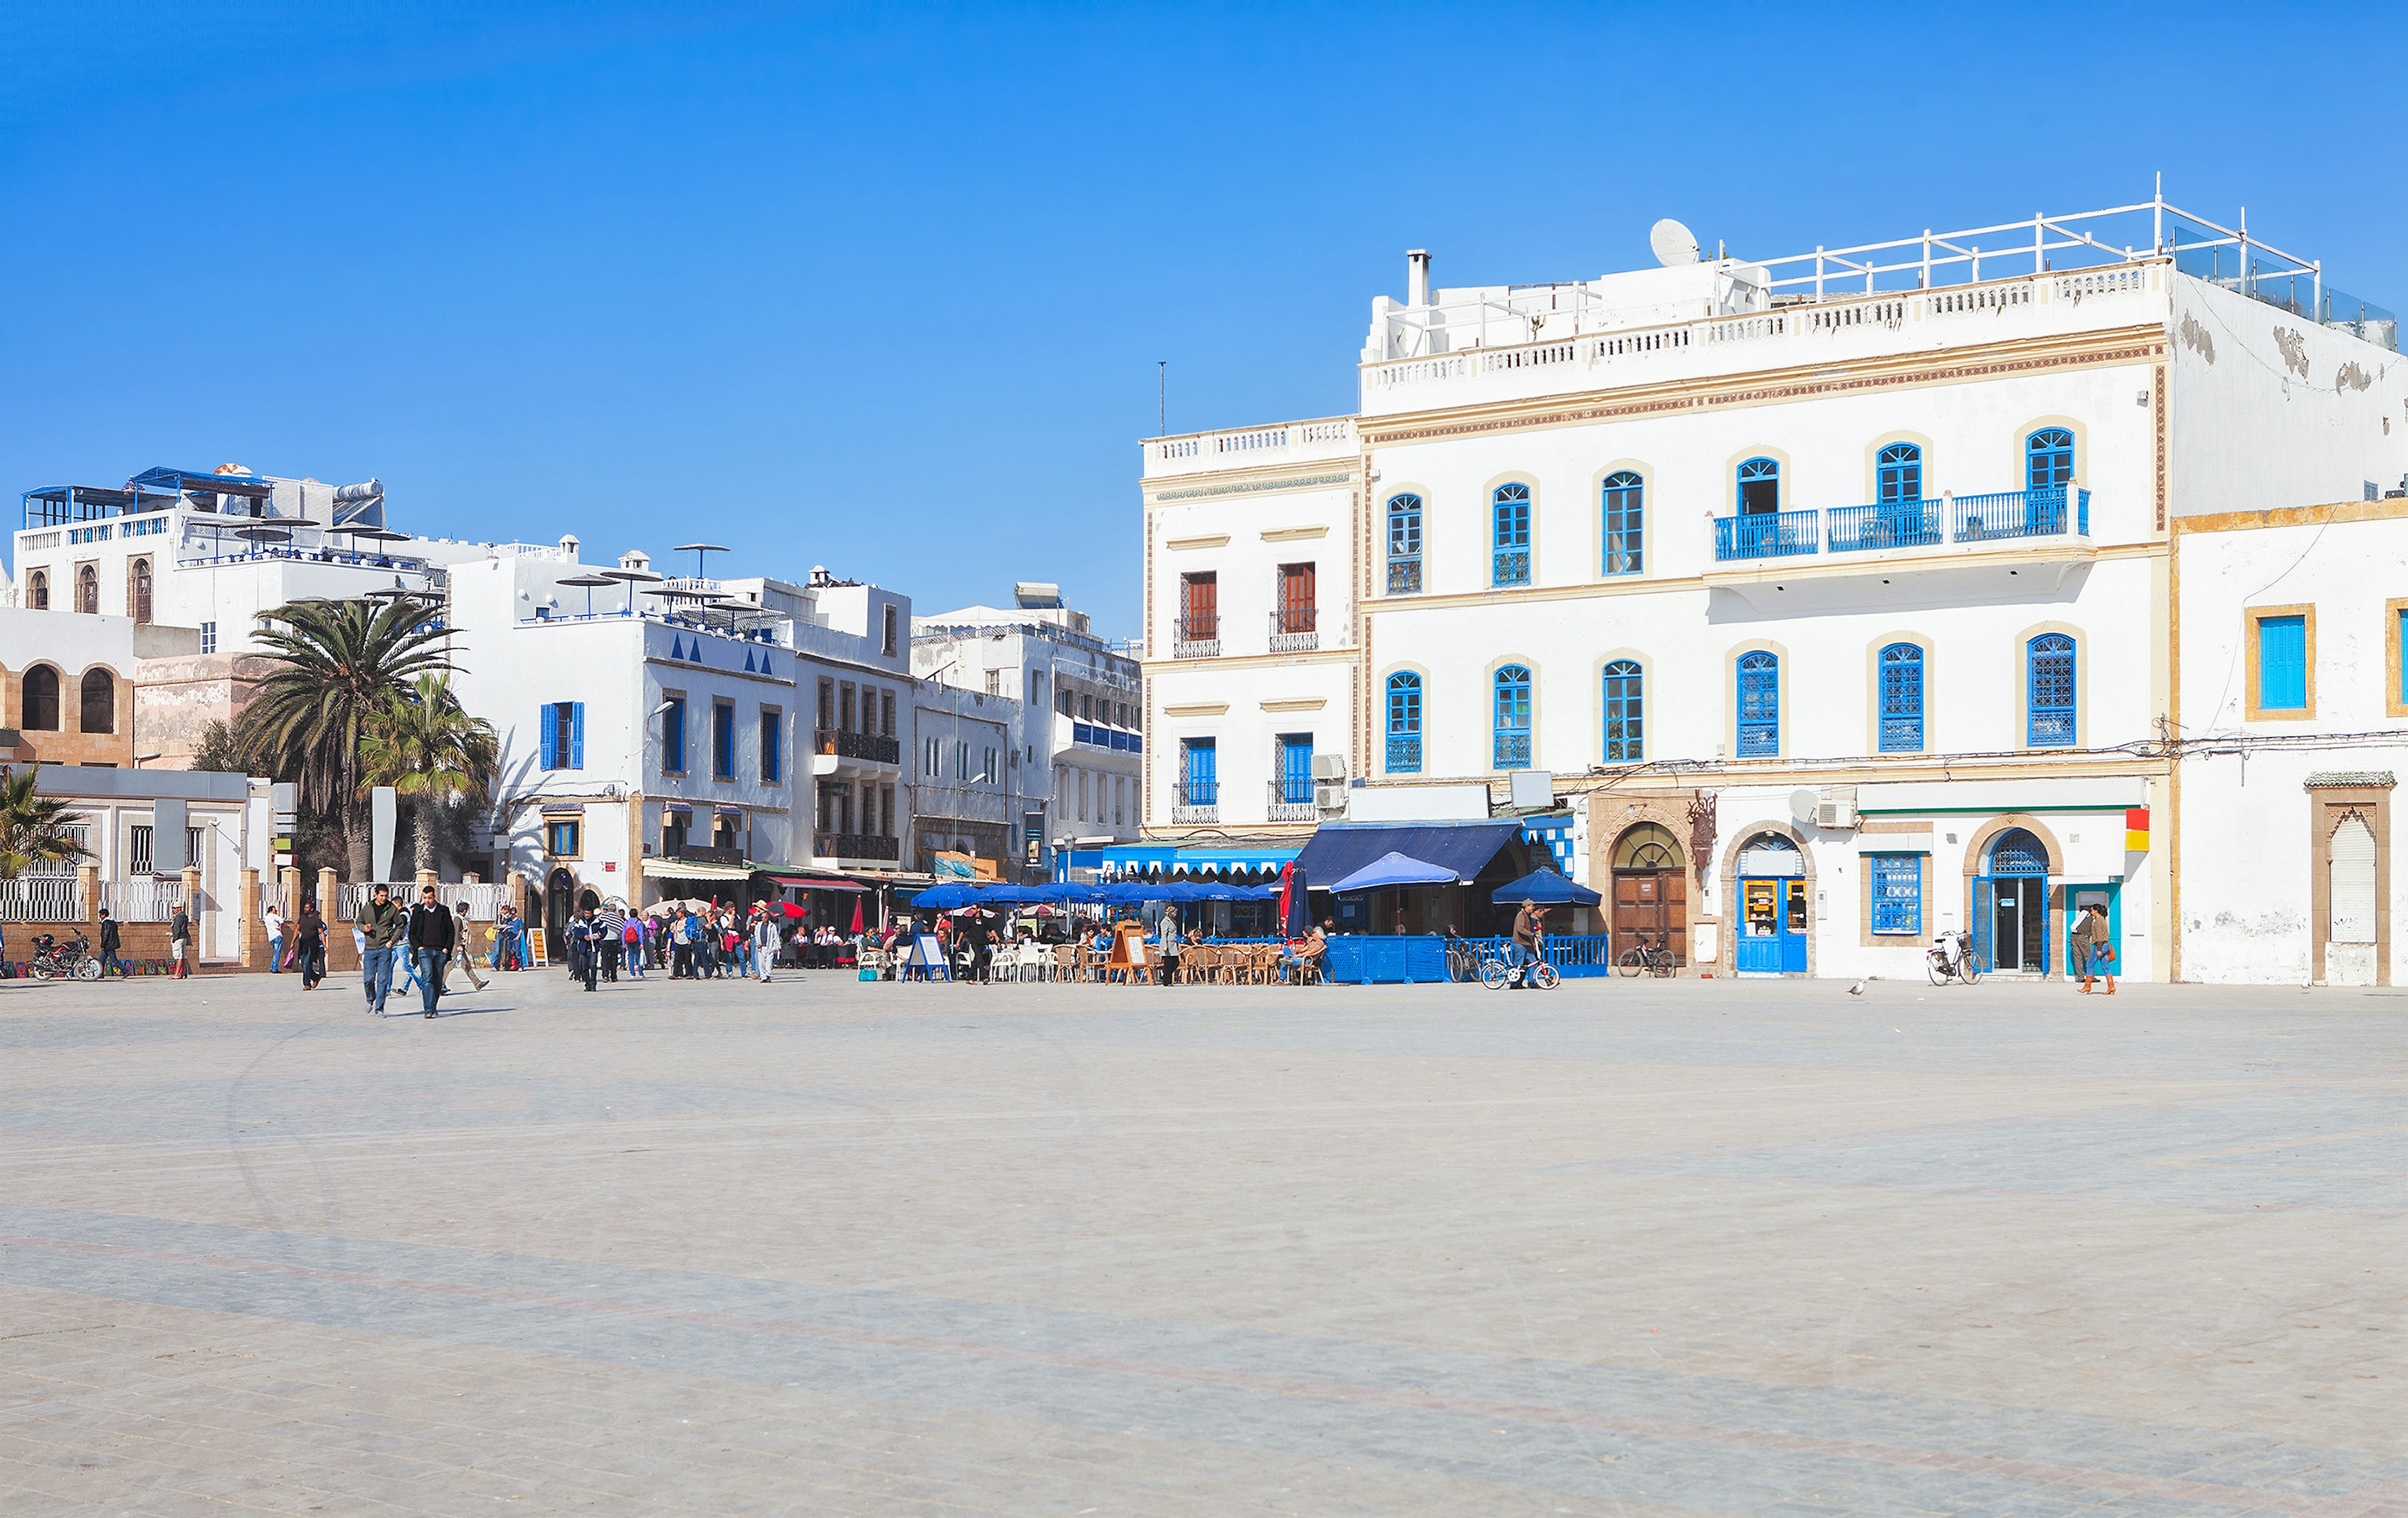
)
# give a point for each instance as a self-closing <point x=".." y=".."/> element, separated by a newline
<point x="2281" y="663"/>
<point x="551" y="742"/>
<point x="577" y="736"/>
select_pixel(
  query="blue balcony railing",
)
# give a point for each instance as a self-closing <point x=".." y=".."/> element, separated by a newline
<point x="1404" y="753"/>
<point x="1898" y="523"/>
<point x="2020" y="514"/>
<point x="1513" y="748"/>
<point x="2048" y="512"/>
<point x="1767" y="534"/>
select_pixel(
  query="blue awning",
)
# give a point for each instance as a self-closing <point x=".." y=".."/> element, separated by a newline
<point x="1338" y="850"/>
<point x="1394" y="869"/>
<point x="1547" y="888"/>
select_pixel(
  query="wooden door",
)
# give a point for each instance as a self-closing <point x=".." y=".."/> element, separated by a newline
<point x="1653" y="904"/>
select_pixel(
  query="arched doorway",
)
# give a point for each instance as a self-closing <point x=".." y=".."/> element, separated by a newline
<point x="559" y="890"/>
<point x="2010" y="905"/>
<point x="1651" y="891"/>
<point x="1774" y="918"/>
<point x="2349" y="904"/>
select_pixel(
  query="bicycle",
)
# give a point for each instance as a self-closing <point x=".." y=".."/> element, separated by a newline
<point x="1496" y="974"/>
<point x="1950" y="955"/>
<point x="1462" y="959"/>
<point x="1645" y="957"/>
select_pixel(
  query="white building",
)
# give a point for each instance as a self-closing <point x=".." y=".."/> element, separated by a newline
<point x="659" y="746"/>
<point x="962" y="818"/>
<point x="1835" y="592"/>
<point x="1074" y="759"/>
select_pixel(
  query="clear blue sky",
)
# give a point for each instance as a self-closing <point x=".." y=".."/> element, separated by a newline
<point x="883" y="287"/>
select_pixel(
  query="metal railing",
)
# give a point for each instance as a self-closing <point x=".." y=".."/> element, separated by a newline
<point x="2046" y="512"/>
<point x="1512" y="748"/>
<point x="42" y="899"/>
<point x="1196" y="802"/>
<point x="856" y="846"/>
<point x="1294" y="630"/>
<point x="1284" y="805"/>
<point x="141" y="900"/>
<point x="875" y="747"/>
<point x="1767" y="535"/>
<point x="1898" y="523"/>
<point x="1196" y="637"/>
<point x="1510" y="567"/>
<point x="1405" y="576"/>
<point x="1404" y="753"/>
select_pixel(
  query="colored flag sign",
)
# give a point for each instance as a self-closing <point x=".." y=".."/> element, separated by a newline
<point x="2136" y="829"/>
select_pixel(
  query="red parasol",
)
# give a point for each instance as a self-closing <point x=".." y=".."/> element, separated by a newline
<point x="790" y="909"/>
<point x="856" y="914"/>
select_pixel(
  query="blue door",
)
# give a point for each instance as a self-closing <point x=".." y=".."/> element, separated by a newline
<point x="1203" y="787"/>
<point x="1772" y="927"/>
<point x="1295" y="768"/>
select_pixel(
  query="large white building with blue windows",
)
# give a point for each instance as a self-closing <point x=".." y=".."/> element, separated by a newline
<point x="1836" y="595"/>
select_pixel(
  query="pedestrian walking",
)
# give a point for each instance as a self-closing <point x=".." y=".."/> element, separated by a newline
<point x="432" y="936"/>
<point x="764" y="942"/>
<point x="108" y="944"/>
<point x="179" y="942"/>
<point x="381" y="927"/>
<point x="631" y="946"/>
<point x="275" y="921"/>
<point x="2093" y="956"/>
<point x="309" y="944"/>
<point x="468" y="948"/>
<point x="609" y="937"/>
<point x="582" y="958"/>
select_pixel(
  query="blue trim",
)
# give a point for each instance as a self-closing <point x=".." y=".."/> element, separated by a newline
<point x="1510" y="717"/>
<point x="1898" y="475"/>
<point x="1625" y="523"/>
<point x="1404" y="723"/>
<point x="2283" y="664"/>
<point x="1626" y="712"/>
<point x="1897" y="892"/>
<point x="1510" y="536"/>
<point x="2049" y="688"/>
<point x="2048" y="459"/>
<point x="1901" y="699"/>
<point x="1759" y="705"/>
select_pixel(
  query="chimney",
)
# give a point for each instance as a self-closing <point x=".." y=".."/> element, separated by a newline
<point x="1417" y="290"/>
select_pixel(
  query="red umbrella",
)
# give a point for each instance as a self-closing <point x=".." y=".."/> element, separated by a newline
<point x="856" y="914"/>
<point x="790" y="909"/>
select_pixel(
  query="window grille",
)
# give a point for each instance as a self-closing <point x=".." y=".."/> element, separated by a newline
<point x="1901" y="699"/>
<point x="2018" y="852"/>
<point x="1625" y="712"/>
<point x="1404" y="545"/>
<point x="1512" y="734"/>
<point x="1625" y="523"/>
<point x="1511" y="558"/>
<point x="1759" y="705"/>
<point x="1897" y="892"/>
<point x="1404" y="724"/>
<point x="2051" y="724"/>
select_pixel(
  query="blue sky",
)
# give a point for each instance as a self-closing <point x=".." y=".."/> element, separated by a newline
<point x="884" y="287"/>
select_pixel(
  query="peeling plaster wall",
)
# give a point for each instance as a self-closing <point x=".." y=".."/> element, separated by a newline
<point x="176" y="699"/>
<point x="2269" y="408"/>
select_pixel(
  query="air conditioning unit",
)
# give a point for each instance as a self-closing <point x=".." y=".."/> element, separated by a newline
<point x="1329" y="797"/>
<point x="1835" y="807"/>
<point x="1328" y="767"/>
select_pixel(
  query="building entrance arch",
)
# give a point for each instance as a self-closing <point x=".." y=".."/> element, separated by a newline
<point x="1651" y="891"/>
<point x="560" y="889"/>
<point x="2010" y="905"/>
<point x="1774" y="915"/>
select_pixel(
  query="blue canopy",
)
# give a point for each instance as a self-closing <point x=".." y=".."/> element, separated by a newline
<point x="1547" y="888"/>
<point x="1338" y="850"/>
<point x="945" y="898"/>
<point x="1395" y="868"/>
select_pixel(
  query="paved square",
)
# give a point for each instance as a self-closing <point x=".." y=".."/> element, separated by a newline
<point x="830" y="1247"/>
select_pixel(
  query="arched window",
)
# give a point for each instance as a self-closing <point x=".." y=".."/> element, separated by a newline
<point x="141" y="597"/>
<point x="1625" y="712"/>
<point x="2018" y="852"/>
<point x="2049" y="659"/>
<point x="40" y="700"/>
<point x="1759" y="705"/>
<point x="1404" y="723"/>
<point x="37" y="590"/>
<point x="99" y="702"/>
<point x="88" y="590"/>
<point x="1898" y="475"/>
<point x="1901" y="699"/>
<point x="1404" y="545"/>
<point x="1625" y="523"/>
<point x="1759" y="487"/>
<point x="2048" y="455"/>
<point x="1513" y="725"/>
<point x="1510" y="537"/>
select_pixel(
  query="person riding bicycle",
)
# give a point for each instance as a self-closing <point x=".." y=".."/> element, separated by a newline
<point x="1530" y="938"/>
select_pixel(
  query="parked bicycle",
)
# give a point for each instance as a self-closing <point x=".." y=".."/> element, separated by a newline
<point x="1462" y="958"/>
<point x="72" y="957"/>
<point x="1643" y="958"/>
<point x="1950" y="957"/>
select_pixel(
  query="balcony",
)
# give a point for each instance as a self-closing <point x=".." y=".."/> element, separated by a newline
<point x="1293" y="631"/>
<point x="1290" y="803"/>
<point x="1196" y="801"/>
<point x="1119" y="742"/>
<point x="856" y="846"/>
<point x="1196" y="637"/>
<point x="1964" y="521"/>
<point x="868" y="747"/>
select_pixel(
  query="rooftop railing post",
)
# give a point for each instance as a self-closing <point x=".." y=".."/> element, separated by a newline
<point x="2039" y="249"/>
<point x="1926" y="258"/>
<point x="1818" y="271"/>
<point x="2317" y="283"/>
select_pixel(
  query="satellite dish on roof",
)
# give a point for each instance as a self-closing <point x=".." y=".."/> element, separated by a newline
<point x="1674" y="245"/>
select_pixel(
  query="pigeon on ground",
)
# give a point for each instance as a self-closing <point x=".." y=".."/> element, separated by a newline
<point x="1857" y="989"/>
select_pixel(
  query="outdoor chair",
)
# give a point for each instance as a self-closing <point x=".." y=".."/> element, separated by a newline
<point x="1066" y="961"/>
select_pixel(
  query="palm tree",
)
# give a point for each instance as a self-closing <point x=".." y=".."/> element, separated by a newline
<point x="340" y="663"/>
<point x="425" y="745"/>
<point x="33" y="830"/>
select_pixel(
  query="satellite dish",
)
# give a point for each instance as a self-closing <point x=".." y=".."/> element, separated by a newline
<point x="1674" y="245"/>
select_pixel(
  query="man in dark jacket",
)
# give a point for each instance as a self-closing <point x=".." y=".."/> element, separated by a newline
<point x="108" y="945"/>
<point x="382" y="925"/>
<point x="432" y="935"/>
<point x="179" y="942"/>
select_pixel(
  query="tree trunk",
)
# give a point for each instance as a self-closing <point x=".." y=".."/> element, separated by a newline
<point x="356" y="839"/>
<point x="427" y="841"/>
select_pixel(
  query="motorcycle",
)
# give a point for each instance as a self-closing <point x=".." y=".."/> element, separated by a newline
<point x="1951" y="955"/>
<point x="72" y="957"/>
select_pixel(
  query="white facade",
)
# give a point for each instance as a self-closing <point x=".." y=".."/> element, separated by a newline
<point x="1075" y="755"/>
<point x="962" y="778"/>
<point x="1880" y="578"/>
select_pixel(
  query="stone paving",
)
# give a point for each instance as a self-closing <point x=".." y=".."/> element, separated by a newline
<point x="824" y="1247"/>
